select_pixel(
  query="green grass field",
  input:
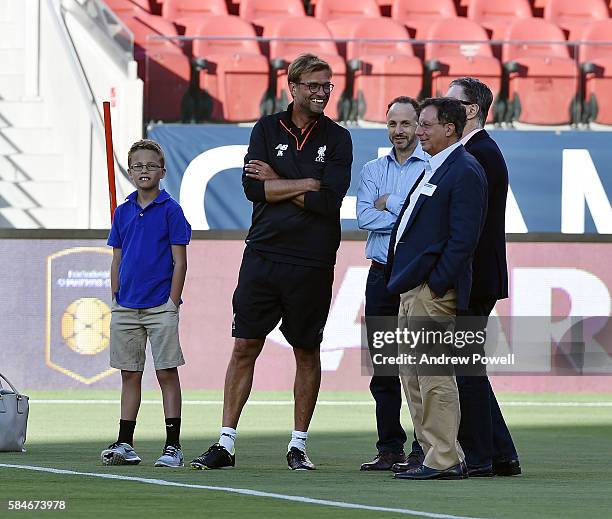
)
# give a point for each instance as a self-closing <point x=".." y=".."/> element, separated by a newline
<point x="565" y="453"/>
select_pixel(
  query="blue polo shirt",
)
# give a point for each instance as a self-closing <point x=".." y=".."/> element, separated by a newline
<point x="145" y="237"/>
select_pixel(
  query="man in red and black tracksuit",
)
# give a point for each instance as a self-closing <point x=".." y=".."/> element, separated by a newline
<point x="297" y="171"/>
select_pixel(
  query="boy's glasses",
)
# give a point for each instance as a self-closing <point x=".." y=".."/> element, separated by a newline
<point x="149" y="167"/>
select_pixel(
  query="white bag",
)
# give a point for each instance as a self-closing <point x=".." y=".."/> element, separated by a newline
<point x="14" y="408"/>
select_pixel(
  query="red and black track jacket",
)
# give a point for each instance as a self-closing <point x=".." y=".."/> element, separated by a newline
<point x="282" y="231"/>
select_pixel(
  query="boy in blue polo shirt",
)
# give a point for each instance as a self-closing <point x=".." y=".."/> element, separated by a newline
<point x="149" y="237"/>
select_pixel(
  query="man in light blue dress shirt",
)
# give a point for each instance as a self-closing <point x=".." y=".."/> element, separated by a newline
<point x="385" y="184"/>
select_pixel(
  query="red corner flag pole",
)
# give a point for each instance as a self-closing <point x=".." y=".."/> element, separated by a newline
<point x="110" y="160"/>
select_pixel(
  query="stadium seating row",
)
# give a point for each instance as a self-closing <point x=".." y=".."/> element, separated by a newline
<point x="563" y="12"/>
<point x="537" y="82"/>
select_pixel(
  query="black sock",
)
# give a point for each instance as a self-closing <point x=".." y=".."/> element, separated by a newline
<point x="126" y="431"/>
<point x="173" y="431"/>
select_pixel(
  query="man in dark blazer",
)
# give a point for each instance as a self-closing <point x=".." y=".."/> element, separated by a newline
<point x="483" y="433"/>
<point x="430" y="266"/>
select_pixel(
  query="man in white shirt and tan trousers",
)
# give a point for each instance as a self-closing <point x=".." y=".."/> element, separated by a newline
<point x="430" y="265"/>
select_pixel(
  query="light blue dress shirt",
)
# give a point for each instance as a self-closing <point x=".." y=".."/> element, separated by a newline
<point x="378" y="177"/>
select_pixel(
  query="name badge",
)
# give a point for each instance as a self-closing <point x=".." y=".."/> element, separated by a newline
<point x="428" y="189"/>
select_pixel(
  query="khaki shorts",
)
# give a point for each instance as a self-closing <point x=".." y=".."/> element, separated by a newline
<point x="129" y="329"/>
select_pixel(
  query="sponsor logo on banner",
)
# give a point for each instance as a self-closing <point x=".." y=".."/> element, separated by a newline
<point x="78" y="313"/>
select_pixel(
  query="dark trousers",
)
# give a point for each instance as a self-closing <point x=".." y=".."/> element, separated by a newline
<point x="387" y="391"/>
<point x="483" y="433"/>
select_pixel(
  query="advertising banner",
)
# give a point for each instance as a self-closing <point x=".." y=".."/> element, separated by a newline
<point x="559" y="181"/>
<point x="55" y="329"/>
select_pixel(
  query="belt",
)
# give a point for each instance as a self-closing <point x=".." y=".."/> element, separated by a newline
<point x="379" y="266"/>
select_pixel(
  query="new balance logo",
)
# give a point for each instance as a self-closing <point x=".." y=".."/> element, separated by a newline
<point x="280" y="149"/>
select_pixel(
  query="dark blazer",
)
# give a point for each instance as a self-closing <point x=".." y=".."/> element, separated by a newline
<point x="441" y="235"/>
<point x="490" y="271"/>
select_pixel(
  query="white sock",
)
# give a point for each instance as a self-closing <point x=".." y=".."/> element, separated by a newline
<point x="298" y="440"/>
<point x="227" y="438"/>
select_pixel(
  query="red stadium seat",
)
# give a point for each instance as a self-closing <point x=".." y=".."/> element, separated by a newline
<point x="543" y="79"/>
<point x="342" y="29"/>
<point x="596" y="61"/>
<point x="418" y="15"/>
<point x="383" y="70"/>
<point x="331" y="9"/>
<point x="448" y="61"/>
<point x="252" y="10"/>
<point x="339" y="16"/>
<point x="572" y="15"/>
<point x="162" y="65"/>
<point x="308" y="29"/>
<point x="125" y="8"/>
<point x="495" y="16"/>
<point x="234" y="73"/>
<point x="179" y="10"/>
<point x="264" y="12"/>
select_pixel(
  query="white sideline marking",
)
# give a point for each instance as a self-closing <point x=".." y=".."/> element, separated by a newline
<point x="244" y="491"/>
<point x="322" y="402"/>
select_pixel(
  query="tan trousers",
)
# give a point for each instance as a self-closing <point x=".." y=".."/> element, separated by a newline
<point x="130" y="328"/>
<point x="433" y="400"/>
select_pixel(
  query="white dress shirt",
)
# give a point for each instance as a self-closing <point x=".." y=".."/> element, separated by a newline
<point x="431" y="166"/>
<point x="470" y="135"/>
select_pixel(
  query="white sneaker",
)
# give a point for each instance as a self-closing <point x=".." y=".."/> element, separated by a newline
<point x="171" y="457"/>
<point x="120" y="454"/>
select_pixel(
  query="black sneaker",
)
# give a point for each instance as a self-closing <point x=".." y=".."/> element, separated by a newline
<point x="298" y="460"/>
<point x="216" y="457"/>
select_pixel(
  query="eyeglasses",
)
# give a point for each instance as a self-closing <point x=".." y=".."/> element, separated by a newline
<point x="314" y="87"/>
<point x="465" y="103"/>
<point x="428" y="126"/>
<point x="149" y="167"/>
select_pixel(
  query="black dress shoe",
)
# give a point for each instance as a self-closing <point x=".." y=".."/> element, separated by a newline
<point x="480" y="471"/>
<point x="413" y="461"/>
<point x="426" y="473"/>
<point x="384" y="461"/>
<point x="507" y="468"/>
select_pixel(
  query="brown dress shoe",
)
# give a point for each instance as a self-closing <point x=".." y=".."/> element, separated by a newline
<point x="413" y="461"/>
<point x="384" y="461"/>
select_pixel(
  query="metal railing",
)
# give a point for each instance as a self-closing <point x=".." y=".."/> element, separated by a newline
<point x="97" y="17"/>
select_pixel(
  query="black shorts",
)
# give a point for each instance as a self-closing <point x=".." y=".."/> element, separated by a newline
<point x="269" y="292"/>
